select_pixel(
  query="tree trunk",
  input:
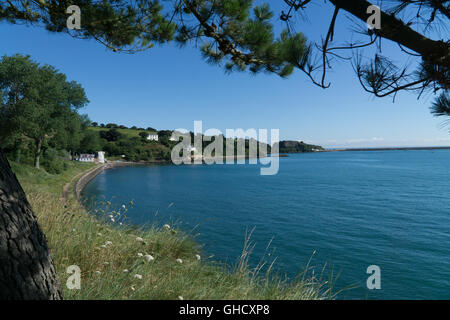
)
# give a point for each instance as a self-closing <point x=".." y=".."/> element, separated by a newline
<point x="18" y="154"/>
<point x="38" y="153"/>
<point x="26" y="268"/>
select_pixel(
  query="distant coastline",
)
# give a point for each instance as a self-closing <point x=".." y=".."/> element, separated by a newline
<point x="387" y="149"/>
<point x="81" y="183"/>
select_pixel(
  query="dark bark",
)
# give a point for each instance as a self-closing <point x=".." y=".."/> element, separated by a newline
<point x="26" y="268"/>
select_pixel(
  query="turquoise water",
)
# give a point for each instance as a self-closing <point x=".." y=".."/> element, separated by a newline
<point x="353" y="209"/>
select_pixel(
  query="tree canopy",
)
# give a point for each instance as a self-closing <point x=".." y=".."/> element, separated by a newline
<point x="240" y="35"/>
<point x="39" y="104"/>
<point x="118" y="24"/>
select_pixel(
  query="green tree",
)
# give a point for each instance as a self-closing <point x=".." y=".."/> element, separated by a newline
<point x="120" y="25"/>
<point x="143" y="134"/>
<point x="38" y="101"/>
<point x="240" y="35"/>
<point x="90" y="142"/>
<point x="111" y="135"/>
<point x="72" y="131"/>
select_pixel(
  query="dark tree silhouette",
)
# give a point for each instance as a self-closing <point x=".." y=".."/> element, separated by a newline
<point x="26" y="268"/>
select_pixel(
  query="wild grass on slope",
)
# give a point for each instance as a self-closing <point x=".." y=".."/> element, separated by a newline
<point x="46" y="182"/>
<point x="156" y="263"/>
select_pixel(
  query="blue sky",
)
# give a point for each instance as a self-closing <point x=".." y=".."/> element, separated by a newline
<point x="167" y="88"/>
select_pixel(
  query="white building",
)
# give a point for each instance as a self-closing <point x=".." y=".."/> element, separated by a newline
<point x="101" y="157"/>
<point x="152" y="137"/>
<point x="86" y="157"/>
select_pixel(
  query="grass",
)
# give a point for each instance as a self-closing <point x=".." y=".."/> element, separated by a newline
<point x="53" y="184"/>
<point x="113" y="259"/>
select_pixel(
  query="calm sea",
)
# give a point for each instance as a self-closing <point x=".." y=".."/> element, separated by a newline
<point x="342" y="210"/>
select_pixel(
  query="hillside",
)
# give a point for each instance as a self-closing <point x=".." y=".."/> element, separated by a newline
<point x="132" y="144"/>
<point x="297" y="147"/>
<point x="125" y="131"/>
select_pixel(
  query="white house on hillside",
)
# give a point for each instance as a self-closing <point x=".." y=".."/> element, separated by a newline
<point x="86" y="157"/>
<point x="90" y="157"/>
<point x="152" y="137"/>
<point x="101" y="157"/>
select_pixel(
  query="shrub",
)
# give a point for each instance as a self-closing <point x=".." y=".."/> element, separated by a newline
<point x="52" y="162"/>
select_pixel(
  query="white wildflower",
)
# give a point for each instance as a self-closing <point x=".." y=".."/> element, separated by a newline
<point x="138" y="276"/>
<point x="198" y="257"/>
<point x="167" y="226"/>
<point x="179" y="261"/>
<point x="180" y="298"/>
<point x="107" y="243"/>
<point x="139" y="239"/>
<point x="148" y="258"/>
<point x="140" y="254"/>
<point x="125" y="270"/>
<point x="132" y="288"/>
<point x="99" y="234"/>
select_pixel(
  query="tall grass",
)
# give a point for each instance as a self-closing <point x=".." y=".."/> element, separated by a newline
<point x="126" y="262"/>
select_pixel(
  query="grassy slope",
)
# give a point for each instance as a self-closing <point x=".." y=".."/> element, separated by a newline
<point x="132" y="133"/>
<point x="77" y="238"/>
<point x="126" y="132"/>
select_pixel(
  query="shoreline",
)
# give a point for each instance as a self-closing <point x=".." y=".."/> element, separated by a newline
<point x="88" y="176"/>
